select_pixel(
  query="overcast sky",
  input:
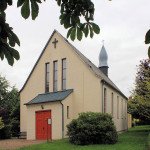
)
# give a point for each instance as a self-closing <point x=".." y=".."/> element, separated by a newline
<point x="123" y="25"/>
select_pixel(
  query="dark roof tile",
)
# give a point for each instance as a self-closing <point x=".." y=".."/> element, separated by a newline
<point x="50" y="97"/>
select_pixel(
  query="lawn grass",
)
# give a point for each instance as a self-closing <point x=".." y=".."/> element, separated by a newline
<point x="137" y="138"/>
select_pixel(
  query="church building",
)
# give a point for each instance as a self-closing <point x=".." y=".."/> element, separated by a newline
<point x="64" y="83"/>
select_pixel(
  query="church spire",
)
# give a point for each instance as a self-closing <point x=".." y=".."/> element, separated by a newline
<point x="103" y="58"/>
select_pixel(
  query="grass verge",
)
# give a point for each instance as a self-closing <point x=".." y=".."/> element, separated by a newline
<point x="137" y="138"/>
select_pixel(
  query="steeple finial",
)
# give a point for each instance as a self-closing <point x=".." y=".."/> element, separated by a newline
<point x="103" y="58"/>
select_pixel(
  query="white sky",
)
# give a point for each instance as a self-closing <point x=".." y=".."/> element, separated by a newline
<point x="123" y="24"/>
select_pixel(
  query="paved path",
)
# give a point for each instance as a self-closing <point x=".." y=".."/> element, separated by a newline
<point x="17" y="143"/>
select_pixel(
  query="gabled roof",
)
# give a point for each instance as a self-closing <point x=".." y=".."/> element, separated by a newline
<point x="50" y="97"/>
<point x="90" y="65"/>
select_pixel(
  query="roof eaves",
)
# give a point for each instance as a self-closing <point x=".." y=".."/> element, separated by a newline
<point x="105" y="82"/>
<point x="55" y="100"/>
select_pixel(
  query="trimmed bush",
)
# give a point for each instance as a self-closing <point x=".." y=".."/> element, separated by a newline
<point x="92" y="128"/>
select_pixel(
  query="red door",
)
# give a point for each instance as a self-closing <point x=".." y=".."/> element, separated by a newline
<point x="43" y="129"/>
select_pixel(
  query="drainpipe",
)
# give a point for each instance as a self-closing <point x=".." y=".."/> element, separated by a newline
<point x="102" y="97"/>
<point x="62" y="119"/>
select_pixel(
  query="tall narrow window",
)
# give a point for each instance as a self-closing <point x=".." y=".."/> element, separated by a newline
<point x="105" y="98"/>
<point x="55" y="76"/>
<point x="47" y="78"/>
<point x="112" y="104"/>
<point x="67" y="112"/>
<point x="63" y="74"/>
<point x="118" y="107"/>
<point x="122" y="109"/>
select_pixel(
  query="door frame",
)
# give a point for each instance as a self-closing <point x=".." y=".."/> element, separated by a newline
<point x="48" y="110"/>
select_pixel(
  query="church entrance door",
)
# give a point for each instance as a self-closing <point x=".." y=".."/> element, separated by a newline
<point x="43" y="125"/>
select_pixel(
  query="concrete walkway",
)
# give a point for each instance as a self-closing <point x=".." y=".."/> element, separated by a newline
<point x="17" y="143"/>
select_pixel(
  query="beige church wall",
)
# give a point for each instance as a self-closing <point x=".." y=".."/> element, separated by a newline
<point x="121" y="121"/>
<point x="56" y="114"/>
<point x="67" y="102"/>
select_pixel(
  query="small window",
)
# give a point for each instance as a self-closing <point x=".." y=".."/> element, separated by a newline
<point x="67" y="112"/>
<point x="55" y="76"/>
<point x="47" y="78"/>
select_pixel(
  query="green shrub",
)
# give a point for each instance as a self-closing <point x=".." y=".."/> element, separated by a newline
<point x="92" y="128"/>
<point x="15" y="127"/>
<point x="5" y="133"/>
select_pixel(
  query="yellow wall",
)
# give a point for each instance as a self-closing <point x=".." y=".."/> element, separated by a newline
<point x="129" y="120"/>
<point x="121" y="122"/>
<point x="55" y="108"/>
<point x="87" y="94"/>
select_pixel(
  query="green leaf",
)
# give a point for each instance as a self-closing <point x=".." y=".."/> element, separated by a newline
<point x="62" y="8"/>
<point x="69" y="32"/>
<point x="82" y="26"/>
<point x="39" y="1"/>
<point x="96" y="28"/>
<point x="77" y="19"/>
<point x="147" y="37"/>
<point x="25" y="10"/>
<point x="11" y="41"/>
<point x="0" y="29"/>
<point x="79" y="34"/>
<point x="16" y="38"/>
<point x="3" y="15"/>
<point x="91" y="16"/>
<point x="91" y="32"/>
<point x="20" y="2"/>
<point x="9" y="2"/>
<point x="73" y="34"/>
<point x="3" y="5"/>
<point x="8" y="54"/>
<point x="2" y="55"/>
<point x="86" y="30"/>
<point x="58" y="2"/>
<point x="62" y="18"/>
<point x="34" y="9"/>
<point x="149" y="52"/>
<point x="67" y="22"/>
<point x="15" y="53"/>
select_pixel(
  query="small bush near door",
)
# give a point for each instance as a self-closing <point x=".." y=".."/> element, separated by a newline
<point x="92" y="128"/>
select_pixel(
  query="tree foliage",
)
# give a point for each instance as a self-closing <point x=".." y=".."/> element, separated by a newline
<point x="140" y="105"/>
<point x="9" y="108"/>
<point x="71" y="12"/>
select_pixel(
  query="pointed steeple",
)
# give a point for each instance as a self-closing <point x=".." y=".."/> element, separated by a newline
<point x="103" y="58"/>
